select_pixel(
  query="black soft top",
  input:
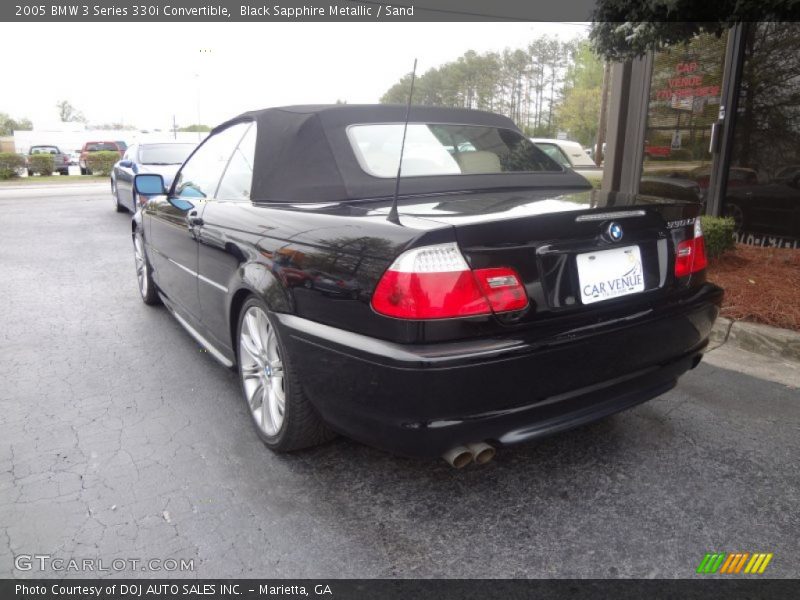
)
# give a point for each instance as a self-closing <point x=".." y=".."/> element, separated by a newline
<point x="303" y="154"/>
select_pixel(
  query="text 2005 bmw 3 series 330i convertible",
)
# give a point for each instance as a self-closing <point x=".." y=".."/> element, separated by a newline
<point x="502" y="301"/>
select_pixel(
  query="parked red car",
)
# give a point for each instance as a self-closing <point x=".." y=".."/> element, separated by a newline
<point x="657" y="151"/>
<point x="118" y="147"/>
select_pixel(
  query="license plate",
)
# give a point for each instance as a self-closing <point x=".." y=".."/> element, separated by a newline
<point x="610" y="274"/>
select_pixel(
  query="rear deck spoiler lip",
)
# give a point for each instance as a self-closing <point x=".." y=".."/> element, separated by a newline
<point x="603" y="216"/>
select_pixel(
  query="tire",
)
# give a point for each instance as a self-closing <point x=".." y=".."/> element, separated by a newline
<point x="283" y="417"/>
<point x="30" y="173"/>
<point x="144" y="273"/>
<point x="64" y="173"/>
<point x="115" y="193"/>
<point x="84" y="171"/>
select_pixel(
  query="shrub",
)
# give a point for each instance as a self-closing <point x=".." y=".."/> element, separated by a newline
<point x="41" y="163"/>
<point x="718" y="234"/>
<point x="101" y="163"/>
<point x="10" y="164"/>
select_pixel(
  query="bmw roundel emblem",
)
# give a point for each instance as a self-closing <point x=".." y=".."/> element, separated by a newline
<point x="614" y="231"/>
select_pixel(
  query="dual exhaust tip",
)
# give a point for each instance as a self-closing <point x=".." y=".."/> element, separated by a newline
<point x="460" y="456"/>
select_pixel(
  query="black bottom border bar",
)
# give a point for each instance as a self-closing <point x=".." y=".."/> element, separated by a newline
<point x="391" y="589"/>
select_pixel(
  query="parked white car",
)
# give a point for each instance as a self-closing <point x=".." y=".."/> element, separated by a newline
<point x="569" y="154"/>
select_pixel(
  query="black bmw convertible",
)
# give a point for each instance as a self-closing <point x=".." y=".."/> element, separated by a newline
<point x="491" y="299"/>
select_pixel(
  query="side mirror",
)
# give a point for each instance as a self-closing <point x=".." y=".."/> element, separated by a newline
<point x="149" y="184"/>
<point x="127" y="164"/>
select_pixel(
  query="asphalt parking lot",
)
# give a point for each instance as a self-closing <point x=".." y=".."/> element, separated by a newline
<point x="121" y="438"/>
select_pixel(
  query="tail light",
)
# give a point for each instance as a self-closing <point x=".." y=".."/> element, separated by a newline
<point x="690" y="256"/>
<point x="502" y="288"/>
<point x="435" y="282"/>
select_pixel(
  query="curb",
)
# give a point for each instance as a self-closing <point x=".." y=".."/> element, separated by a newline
<point x="39" y="186"/>
<point x="764" y="340"/>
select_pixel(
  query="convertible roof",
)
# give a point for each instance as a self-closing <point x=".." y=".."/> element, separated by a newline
<point x="303" y="154"/>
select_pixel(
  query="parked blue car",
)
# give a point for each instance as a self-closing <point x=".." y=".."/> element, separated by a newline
<point x="162" y="158"/>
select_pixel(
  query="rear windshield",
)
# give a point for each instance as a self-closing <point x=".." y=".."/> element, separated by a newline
<point x="101" y="146"/>
<point x="435" y="149"/>
<point x="164" y="154"/>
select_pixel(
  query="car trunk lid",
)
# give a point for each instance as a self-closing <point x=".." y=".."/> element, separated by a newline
<point x="573" y="252"/>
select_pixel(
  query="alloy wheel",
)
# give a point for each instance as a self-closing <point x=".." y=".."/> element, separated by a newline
<point x="261" y="370"/>
<point x="141" y="265"/>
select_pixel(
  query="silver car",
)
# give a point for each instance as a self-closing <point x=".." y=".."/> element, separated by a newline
<point x="162" y="158"/>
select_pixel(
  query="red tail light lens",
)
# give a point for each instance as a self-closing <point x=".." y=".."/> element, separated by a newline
<point x="690" y="256"/>
<point x="429" y="295"/>
<point x="435" y="282"/>
<point x="503" y="288"/>
<point x="700" y="256"/>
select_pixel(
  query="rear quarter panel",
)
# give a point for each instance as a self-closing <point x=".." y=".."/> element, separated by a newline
<point x="274" y="252"/>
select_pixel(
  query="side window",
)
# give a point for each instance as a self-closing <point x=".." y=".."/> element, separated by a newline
<point x="556" y="154"/>
<point x="238" y="177"/>
<point x="200" y="176"/>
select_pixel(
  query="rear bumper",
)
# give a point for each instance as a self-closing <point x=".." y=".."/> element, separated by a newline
<point x="422" y="400"/>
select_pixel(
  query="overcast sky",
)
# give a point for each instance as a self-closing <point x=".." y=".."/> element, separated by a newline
<point x="143" y="73"/>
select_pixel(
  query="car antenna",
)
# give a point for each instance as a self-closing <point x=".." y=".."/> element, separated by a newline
<point x="393" y="216"/>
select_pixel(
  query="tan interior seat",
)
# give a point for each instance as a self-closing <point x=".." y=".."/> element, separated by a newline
<point x="479" y="161"/>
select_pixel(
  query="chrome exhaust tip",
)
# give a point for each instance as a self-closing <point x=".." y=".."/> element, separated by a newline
<point x="458" y="457"/>
<point x="482" y="452"/>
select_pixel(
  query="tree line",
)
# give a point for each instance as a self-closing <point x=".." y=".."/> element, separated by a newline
<point x="67" y="113"/>
<point x="546" y="87"/>
<point x="8" y="124"/>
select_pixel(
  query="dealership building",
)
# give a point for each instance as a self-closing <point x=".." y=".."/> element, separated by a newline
<point x="716" y="119"/>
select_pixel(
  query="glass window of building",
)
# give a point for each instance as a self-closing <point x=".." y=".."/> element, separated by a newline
<point x="684" y="102"/>
<point x="763" y="187"/>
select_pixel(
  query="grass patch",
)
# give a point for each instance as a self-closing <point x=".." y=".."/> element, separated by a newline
<point x="37" y="180"/>
<point x="595" y="180"/>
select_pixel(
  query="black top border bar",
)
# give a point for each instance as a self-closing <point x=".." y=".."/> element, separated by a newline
<point x="294" y="10"/>
<point x="563" y="11"/>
